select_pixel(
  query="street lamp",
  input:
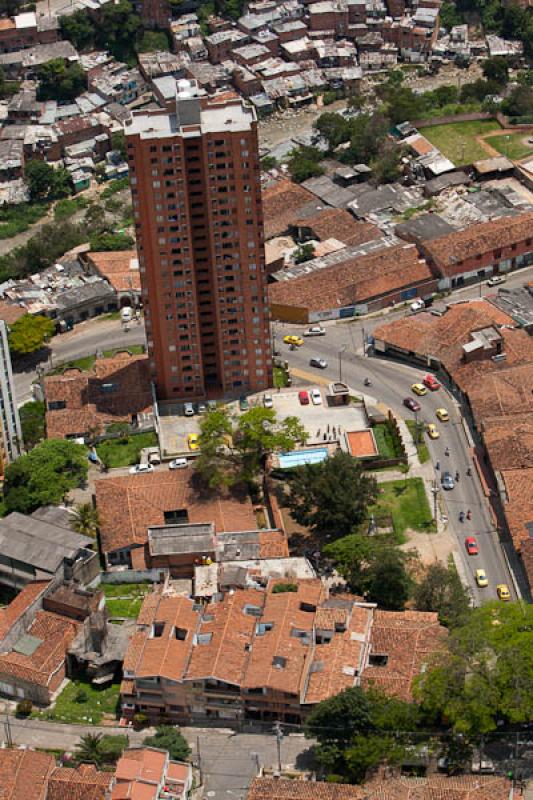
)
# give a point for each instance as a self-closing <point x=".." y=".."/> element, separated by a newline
<point x="341" y="351"/>
<point x="435" y="490"/>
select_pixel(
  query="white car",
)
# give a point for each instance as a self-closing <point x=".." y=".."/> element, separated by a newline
<point x="315" y="330"/>
<point x="418" y="305"/>
<point x="316" y="397"/>
<point x="188" y="410"/>
<point x="179" y="463"/>
<point x="267" y="401"/>
<point x="140" y="469"/>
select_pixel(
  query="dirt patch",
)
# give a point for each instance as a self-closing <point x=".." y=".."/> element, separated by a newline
<point x="430" y="547"/>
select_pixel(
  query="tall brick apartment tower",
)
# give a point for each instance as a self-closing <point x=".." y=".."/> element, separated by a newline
<point x="194" y="173"/>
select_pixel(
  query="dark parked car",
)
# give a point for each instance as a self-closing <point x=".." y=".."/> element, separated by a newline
<point x="412" y="404"/>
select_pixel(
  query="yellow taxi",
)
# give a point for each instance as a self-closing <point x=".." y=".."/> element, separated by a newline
<point x="419" y="389"/>
<point x="502" y="590"/>
<point x="481" y="578"/>
<point x="193" y="441"/>
<point x="442" y="414"/>
<point x="432" y="431"/>
<point x="296" y="340"/>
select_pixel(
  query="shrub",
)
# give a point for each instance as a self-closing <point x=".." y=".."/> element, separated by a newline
<point x="280" y="588"/>
<point x="24" y="708"/>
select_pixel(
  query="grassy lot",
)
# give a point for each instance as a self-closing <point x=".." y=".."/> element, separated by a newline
<point x="123" y="452"/>
<point x="125" y="599"/>
<point x="511" y="145"/>
<point x="406" y="502"/>
<point x="387" y="444"/>
<point x="82" y="702"/>
<point x="457" y="140"/>
<point x="87" y="362"/>
<point x="421" y="446"/>
<point x="134" y="349"/>
<point x="17" y="219"/>
<point x="68" y="206"/>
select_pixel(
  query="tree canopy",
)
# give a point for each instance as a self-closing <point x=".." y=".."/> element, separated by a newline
<point x="304" y="163"/>
<point x="44" y="475"/>
<point x="233" y="449"/>
<point x="45" y="182"/>
<point x="29" y="333"/>
<point x="331" y="498"/>
<point x="32" y="423"/>
<point x="441" y="590"/>
<point x="169" y="738"/>
<point x="486" y="672"/>
<point x="60" y="81"/>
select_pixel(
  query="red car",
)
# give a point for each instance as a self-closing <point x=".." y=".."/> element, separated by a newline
<point x="431" y="383"/>
<point x="412" y="404"/>
<point x="471" y="546"/>
<point x="303" y="397"/>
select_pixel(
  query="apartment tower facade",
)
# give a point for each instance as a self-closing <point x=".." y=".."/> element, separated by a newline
<point x="10" y="430"/>
<point x="195" y="183"/>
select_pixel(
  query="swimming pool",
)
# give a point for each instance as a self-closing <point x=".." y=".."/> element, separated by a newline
<point x="298" y="457"/>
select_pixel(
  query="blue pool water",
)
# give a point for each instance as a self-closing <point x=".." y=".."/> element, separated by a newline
<point x="299" y="457"/>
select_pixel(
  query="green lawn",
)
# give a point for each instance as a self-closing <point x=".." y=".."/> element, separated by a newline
<point x="457" y="140"/>
<point x="134" y="349"/>
<point x="126" y="451"/>
<point x="71" y="706"/>
<point x="421" y="446"/>
<point x="406" y="502"/>
<point x="125" y="599"/>
<point x="386" y="442"/>
<point x="512" y="145"/>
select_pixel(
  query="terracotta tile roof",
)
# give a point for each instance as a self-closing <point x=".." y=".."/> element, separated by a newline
<point x="88" y="404"/>
<point x="519" y="506"/>
<point x="83" y="783"/>
<point x="231" y="629"/>
<point x="407" y="638"/>
<point x="447" y="251"/>
<point x="165" y="655"/>
<point x="354" y="280"/>
<point x="10" y="312"/>
<point x="139" y="773"/>
<point x="432" y="787"/>
<point x="19" y="605"/>
<point x="116" y="267"/>
<point x="23" y="774"/>
<point x="336" y="223"/>
<point x="55" y="634"/>
<point x="509" y="441"/>
<point x="278" y="657"/>
<point x="129" y="505"/>
<point x="281" y="203"/>
<point x="420" y="145"/>
<point x="502" y="388"/>
<point x="273" y="544"/>
<point x="337" y="664"/>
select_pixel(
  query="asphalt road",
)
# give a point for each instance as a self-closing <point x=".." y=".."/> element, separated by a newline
<point x="391" y="383"/>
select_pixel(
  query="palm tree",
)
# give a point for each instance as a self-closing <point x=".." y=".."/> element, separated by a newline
<point x="88" y="748"/>
<point x="85" y="520"/>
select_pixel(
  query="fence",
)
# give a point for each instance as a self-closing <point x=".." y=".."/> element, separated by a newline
<point x="468" y="117"/>
<point x="134" y="576"/>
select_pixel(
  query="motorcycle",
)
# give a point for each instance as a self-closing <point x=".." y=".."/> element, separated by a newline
<point x="462" y="516"/>
<point x="367" y="382"/>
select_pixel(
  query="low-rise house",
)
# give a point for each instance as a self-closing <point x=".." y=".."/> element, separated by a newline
<point x="479" y="251"/>
<point x="116" y="389"/>
<point x="26" y="30"/>
<point x="150" y="774"/>
<point x="121" y="270"/>
<point x="33" y="548"/>
<point x="221" y="43"/>
<point x="21" y="63"/>
<point x="268" y="652"/>
<point x="130" y="506"/>
<point x="282" y="202"/>
<point x="350" y="281"/>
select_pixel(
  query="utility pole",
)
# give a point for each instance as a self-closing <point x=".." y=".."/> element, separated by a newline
<point x="341" y="351"/>
<point x="279" y="739"/>
<point x="199" y="757"/>
<point x="364" y="342"/>
<point x="435" y="490"/>
<point x="416" y="428"/>
<point x="7" y="730"/>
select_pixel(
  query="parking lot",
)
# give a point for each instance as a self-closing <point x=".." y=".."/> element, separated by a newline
<point x="323" y="423"/>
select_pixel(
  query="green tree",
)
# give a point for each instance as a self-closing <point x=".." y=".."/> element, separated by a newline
<point x="118" y="143"/>
<point x="79" y="29"/>
<point x="111" y="747"/>
<point x="449" y="16"/>
<point x="496" y="69"/>
<point x="111" y="241"/>
<point x="268" y="162"/>
<point x="332" y="497"/>
<point x="386" y="167"/>
<point x="32" y="422"/>
<point x="519" y="103"/>
<point x="334" y="128"/>
<point x="43" y="476"/>
<point x="153" y="41"/>
<point x="441" y="590"/>
<point x="484" y="673"/>
<point x="119" y="30"/>
<point x="337" y="719"/>
<point x="60" y="81"/>
<point x="29" y="333"/>
<point x="366" y="752"/>
<point x="169" y="738"/>
<point x="45" y="182"/>
<point x="305" y="252"/>
<point x="88" y="748"/>
<point x="85" y="520"/>
<point x="385" y="580"/>
<point x="304" y="163"/>
<point x="212" y="465"/>
<point x="367" y="134"/>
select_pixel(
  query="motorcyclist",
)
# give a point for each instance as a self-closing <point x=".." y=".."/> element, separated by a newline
<point x="462" y="516"/>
